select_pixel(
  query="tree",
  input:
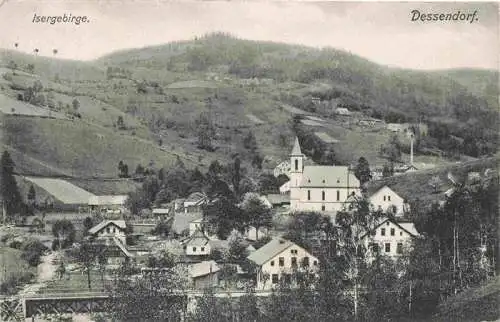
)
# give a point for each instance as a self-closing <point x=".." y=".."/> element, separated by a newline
<point x="30" y="68"/>
<point x="206" y="132"/>
<point x="362" y="171"/>
<point x="209" y="308"/>
<point x="387" y="170"/>
<point x="88" y="223"/>
<point x="76" y="105"/>
<point x="122" y="170"/>
<point x="237" y="247"/>
<point x="10" y="194"/>
<point x="33" y="251"/>
<point x="236" y="177"/>
<point x="120" y="123"/>
<point x="162" y="228"/>
<point x="250" y="142"/>
<point x="149" y="298"/>
<point x="435" y="182"/>
<point x="64" y="232"/>
<point x="31" y="197"/>
<point x="256" y="213"/>
<point x="87" y="254"/>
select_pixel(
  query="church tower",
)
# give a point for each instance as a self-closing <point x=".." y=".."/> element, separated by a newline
<point x="296" y="170"/>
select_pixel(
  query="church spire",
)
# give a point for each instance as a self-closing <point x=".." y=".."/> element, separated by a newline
<point x="296" y="147"/>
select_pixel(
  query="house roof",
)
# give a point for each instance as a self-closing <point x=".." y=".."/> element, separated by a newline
<point x="182" y="220"/>
<point x="107" y="200"/>
<point x="195" y="198"/>
<point x="409" y="227"/>
<point x="161" y="210"/>
<point x="278" y="199"/>
<point x="118" y="223"/>
<point x="328" y="176"/>
<point x="203" y="268"/>
<point x="385" y="188"/>
<point x="122" y="247"/>
<point x="198" y="238"/>
<point x="269" y="250"/>
<point x="296" y="147"/>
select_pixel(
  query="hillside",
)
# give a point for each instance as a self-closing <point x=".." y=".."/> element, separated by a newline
<point x="151" y="104"/>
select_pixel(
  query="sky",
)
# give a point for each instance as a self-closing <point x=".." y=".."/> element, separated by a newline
<point x="382" y="32"/>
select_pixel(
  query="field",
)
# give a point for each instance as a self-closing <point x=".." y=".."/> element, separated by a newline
<point x="15" y="107"/>
<point x="62" y="190"/>
<point x="11" y="263"/>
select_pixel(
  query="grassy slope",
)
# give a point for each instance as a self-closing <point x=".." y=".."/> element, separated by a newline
<point x="92" y="146"/>
<point x="474" y="305"/>
<point x="11" y="263"/>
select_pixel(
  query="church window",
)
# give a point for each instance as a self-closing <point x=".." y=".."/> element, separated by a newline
<point x="322" y="195"/>
<point x="338" y="195"/>
<point x="323" y="208"/>
<point x="296" y="165"/>
<point x="308" y="194"/>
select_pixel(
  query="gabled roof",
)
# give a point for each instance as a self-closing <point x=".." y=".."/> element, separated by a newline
<point x="198" y="238"/>
<point x="122" y="247"/>
<point x="269" y="250"/>
<point x="203" y="268"/>
<point x="328" y="176"/>
<point x="385" y="188"/>
<point x="409" y="227"/>
<point x="296" y="148"/>
<point x="278" y="199"/>
<point x="118" y="223"/>
<point x="196" y="198"/>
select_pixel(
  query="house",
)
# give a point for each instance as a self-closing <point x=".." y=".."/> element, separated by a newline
<point x="204" y="274"/>
<point x="194" y="202"/>
<point x="390" y="238"/>
<point x="110" y="229"/>
<point x="160" y="212"/>
<point x="285" y="188"/>
<point x="181" y="222"/>
<point x="319" y="188"/>
<point x="111" y="204"/>
<point x="197" y="244"/>
<point x="342" y="111"/>
<point x="387" y="200"/>
<point x="278" y="260"/>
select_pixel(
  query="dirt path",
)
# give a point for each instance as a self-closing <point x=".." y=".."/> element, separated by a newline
<point x="45" y="272"/>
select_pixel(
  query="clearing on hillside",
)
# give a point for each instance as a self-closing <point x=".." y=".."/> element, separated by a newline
<point x="11" y="106"/>
<point x="326" y="138"/>
<point x="62" y="190"/>
<point x="192" y="84"/>
<point x="255" y="119"/>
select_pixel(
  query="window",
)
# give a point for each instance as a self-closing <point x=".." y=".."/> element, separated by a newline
<point x="308" y="194"/>
<point x="384" y="198"/>
<point x="400" y="233"/>
<point x="393" y="231"/>
<point x="387" y="247"/>
<point x="322" y="195"/>
<point x="272" y="263"/>
<point x="203" y="249"/>
<point x="194" y="249"/>
<point x="108" y="230"/>
<point x="275" y="278"/>
<point x="296" y="165"/>
<point x="306" y="261"/>
<point x="338" y="195"/>
<point x="315" y="263"/>
<point x="323" y="208"/>
<point x="388" y="198"/>
<point x="382" y="232"/>
<point x="294" y="261"/>
<point x="282" y="261"/>
<point x="399" y="248"/>
<point x="293" y="251"/>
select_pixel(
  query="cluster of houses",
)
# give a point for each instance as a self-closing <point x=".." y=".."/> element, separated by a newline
<point x="325" y="189"/>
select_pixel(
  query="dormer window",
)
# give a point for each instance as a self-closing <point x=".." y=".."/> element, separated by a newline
<point x="338" y="180"/>
<point x="324" y="180"/>
<point x="308" y="180"/>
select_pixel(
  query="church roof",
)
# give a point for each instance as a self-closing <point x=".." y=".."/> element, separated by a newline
<point x="296" y="147"/>
<point x="328" y="176"/>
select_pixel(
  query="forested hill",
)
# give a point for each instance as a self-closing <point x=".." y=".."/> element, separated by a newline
<point x="463" y="101"/>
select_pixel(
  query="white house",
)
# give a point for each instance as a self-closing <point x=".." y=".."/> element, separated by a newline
<point x="389" y="201"/>
<point x="197" y="244"/>
<point x="390" y="238"/>
<point x="342" y="111"/>
<point x="285" y="188"/>
<point x="319" y="188"/>
<point x="279" y="259"/>
<point x="113" y="204"/>
<point x="110" y="229"/>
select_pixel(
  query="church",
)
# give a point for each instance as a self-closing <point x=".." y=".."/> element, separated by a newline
<point x="319" y="188"/>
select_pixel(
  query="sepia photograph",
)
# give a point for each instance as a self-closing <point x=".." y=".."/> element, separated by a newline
<point x="248" y="161"/>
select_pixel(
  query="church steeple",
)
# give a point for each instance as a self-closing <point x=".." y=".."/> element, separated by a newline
<point x="296" y="148"/>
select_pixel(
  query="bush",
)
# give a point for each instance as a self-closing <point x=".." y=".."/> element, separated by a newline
<point x="33" y="251"/>
<point x="11" y="283"/>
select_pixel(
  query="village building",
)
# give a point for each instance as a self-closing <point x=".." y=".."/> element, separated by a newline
<point x="278" y="260"/>
<point x="285" y="188"/>
<point x="197" y="244"/>
<point x="342" y="111"/>
<point x="109" y="229"/>
<point x="204" y="274"/>
<point x="388" y="201"/>
<point x="194" y="202"/>
<point x="110" y="204"/>
<point x="319" y="188"/>
<point x="390" y="238"/>
<point x="160" y="212"/>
